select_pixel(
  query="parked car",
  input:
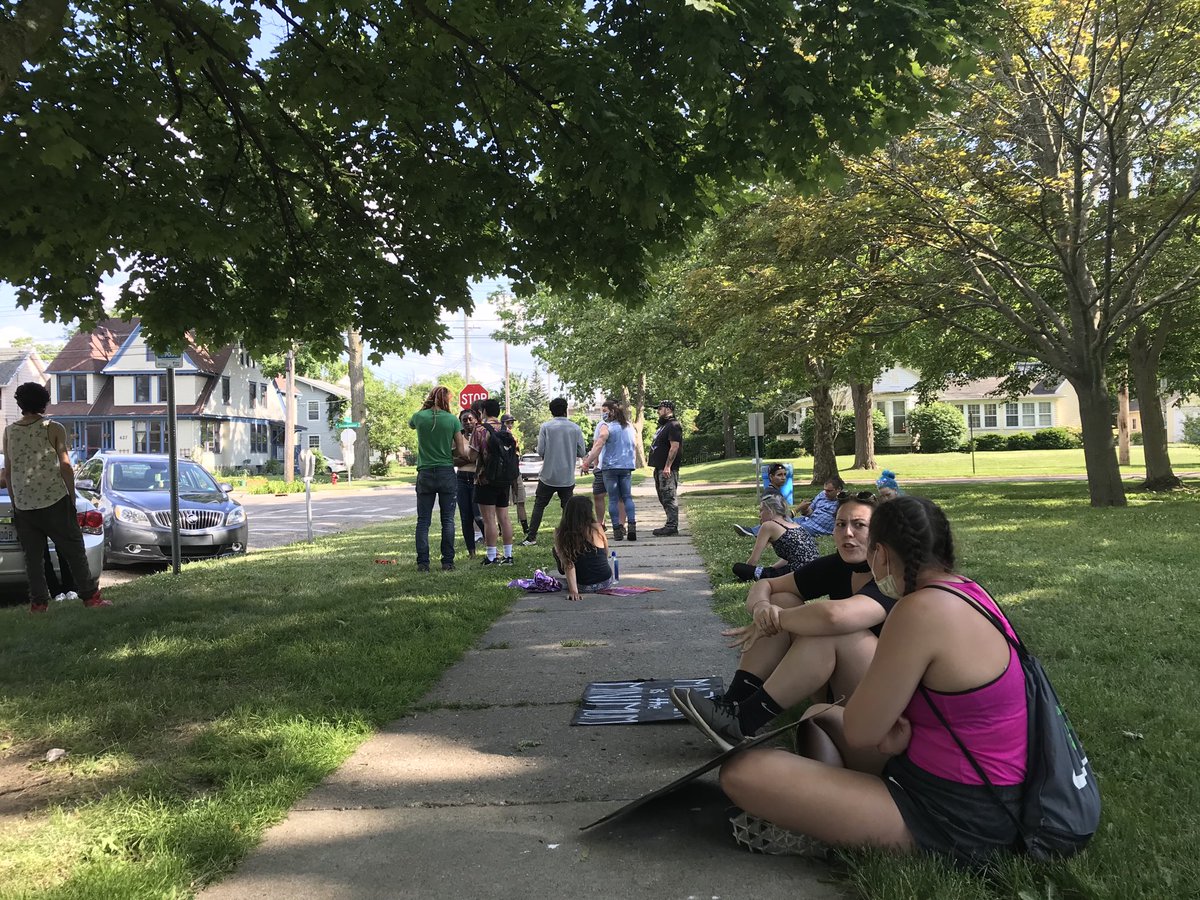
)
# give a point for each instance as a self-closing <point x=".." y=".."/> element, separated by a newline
<point x="133" y="493"/>
<point x="333" y="465"/>
<point x="531" y="466"/>
<point x="12" y="561"/>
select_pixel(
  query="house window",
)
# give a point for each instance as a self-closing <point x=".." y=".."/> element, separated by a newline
<point x="899" y="417"/>
<point x="258" y="437"/>
<point x="1045" y="417"/>
<point x="162" y="388"/>
<point x="149" y="436"/>
<point x="314" y="411"/>
<point x="973" y="420"/>
<point x="1028" y="415"/>
<point x="210" y="436"/>
<point x="253" y="392"/>
<point x="314" y="442"/>
<point x="72" y="389"/>
<point x="225" y="389"/>
<point x="244" y="357"/>
<point x="141" y="388"/>
<point x="149" y="354"/>
<point x="989" y="415"/>
<point x="262" y="393"/>
<point x="882" y="406"/>
<point x="1012" y="418"/>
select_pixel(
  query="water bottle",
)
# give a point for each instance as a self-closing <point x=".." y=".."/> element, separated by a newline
<point x="616" y="567"/>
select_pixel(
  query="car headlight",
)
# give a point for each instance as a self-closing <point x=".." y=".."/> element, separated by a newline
<point x="236" y="516"/>
<point x="130" y="515"/>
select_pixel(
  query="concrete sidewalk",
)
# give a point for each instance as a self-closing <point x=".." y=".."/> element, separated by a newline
<point x="483" y="792"/>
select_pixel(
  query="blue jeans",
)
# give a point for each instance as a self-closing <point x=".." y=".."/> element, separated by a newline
<point x="436" y="483"/>
<point x="619" y="485"/>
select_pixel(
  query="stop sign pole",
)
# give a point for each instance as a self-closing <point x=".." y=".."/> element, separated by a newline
<point x="347" y="439"/>
<point x="470" y="394"/>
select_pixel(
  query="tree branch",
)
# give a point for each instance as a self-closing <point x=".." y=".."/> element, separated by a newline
<point x="26" y="34"/>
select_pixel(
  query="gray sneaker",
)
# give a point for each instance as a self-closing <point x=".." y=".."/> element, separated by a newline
<point x="744" y="531"/>
<point x="716" y="717"/>
<point x="760" y="836"/>
<point x="529" y="542"/>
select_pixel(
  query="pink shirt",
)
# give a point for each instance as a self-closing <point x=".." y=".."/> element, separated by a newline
<point x="990" y="720"/>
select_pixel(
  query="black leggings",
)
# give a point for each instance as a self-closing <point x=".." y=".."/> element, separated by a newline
<point x="468" y="512"/>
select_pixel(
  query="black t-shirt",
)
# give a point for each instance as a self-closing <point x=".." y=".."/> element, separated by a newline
<point x="660" y="448"/>
<point x="830" y="576"/>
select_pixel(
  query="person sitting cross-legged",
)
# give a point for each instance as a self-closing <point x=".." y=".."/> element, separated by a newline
<point x="816" y="515"/>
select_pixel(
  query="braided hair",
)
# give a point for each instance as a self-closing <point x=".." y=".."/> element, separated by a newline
<point x="917" y="531"/>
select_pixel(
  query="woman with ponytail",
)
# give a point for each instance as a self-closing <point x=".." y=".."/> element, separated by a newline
<point x="888" y="772"/>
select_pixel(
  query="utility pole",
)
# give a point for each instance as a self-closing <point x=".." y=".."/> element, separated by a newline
<point x="289" y="426"/>
<point x="466" y="350"/>
<point x="1123" y="424"/>
<point x="507" y="386"/>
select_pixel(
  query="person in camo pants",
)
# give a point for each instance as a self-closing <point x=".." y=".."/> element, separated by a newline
<point x="666" y="457"/>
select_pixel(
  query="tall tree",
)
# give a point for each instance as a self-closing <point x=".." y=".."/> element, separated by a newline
<point x="266" y="186"/>
<point x="1038" y="219"/>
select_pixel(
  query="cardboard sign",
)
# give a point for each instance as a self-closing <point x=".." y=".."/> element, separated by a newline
<point x="638" y="702"/>
<point x="690" y="776"/>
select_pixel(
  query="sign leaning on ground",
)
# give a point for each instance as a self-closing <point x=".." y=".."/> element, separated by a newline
<point x="637" y="702"/>
<point x="470" y="394"/>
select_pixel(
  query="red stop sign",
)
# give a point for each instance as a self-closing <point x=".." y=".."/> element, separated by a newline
<point x="470" y="394"/>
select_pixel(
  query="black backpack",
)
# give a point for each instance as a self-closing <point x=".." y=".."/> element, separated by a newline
<point x="1060" y="805"/>
<point x="502" y="465"/>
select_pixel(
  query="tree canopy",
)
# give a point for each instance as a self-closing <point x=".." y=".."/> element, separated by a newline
<point x="280" y="170"/>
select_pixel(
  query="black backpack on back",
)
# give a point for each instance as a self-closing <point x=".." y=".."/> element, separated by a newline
<point x="502" y="465"/>
<point x="1060" y="806"/>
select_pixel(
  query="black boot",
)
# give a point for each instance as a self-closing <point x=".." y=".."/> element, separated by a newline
<point x="618" y="532"/>
<point x="631" y="532"/>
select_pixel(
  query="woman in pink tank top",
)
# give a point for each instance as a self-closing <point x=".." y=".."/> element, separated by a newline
<point x="892" y="774"/>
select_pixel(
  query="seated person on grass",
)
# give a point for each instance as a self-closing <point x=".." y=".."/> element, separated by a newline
<point x="795" y="546"/>
<point x="888" y="487"/>
<point x="889" y="774"/>
<point x="581" y="549"/>
<point x="795" y="649"/>
<point x="816" y="515"/>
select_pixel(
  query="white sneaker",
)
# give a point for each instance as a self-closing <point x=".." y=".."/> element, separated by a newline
<point x="59" y="598"/>
<point x="529" y="542"/>
<point x="70" y="595"/>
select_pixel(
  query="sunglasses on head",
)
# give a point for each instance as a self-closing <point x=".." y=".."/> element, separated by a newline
<point x="861" y="495"/>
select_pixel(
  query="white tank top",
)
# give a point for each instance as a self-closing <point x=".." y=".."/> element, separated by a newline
<point x="34" y="479"/>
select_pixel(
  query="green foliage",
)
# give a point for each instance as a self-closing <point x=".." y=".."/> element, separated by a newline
<point x="937" y="427"/>
<point x="990" y="441"/>
<point x="273" y="467"/>
<point x="1058" y="438"/>
<point x="844" y="429"/>
<point x="1135" y="438"/>
<point x="1020" y="440"/>
<point x="1191" y="430"/>
<point x="782" y="449"/>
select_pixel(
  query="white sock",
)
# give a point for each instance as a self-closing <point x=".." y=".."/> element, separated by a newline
<point x="491" y="552"/>
<point x="508" y="549"/>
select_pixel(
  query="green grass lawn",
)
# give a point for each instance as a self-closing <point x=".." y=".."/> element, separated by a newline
<point x="1184" y="457"/>
<point x="1108" y="599"/>
<point x="200" y="708"/>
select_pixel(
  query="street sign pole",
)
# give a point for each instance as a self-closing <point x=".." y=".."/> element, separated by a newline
<point x="308" y="466"/>
<point x="173" y="450"/>
<point x="347" y="439"/>
<point x="757" y="430"/>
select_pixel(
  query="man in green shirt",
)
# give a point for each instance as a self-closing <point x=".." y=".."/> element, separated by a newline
<point x="438" y="439"/>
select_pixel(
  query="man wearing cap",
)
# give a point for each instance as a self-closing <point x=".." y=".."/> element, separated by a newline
<point x="507" y="421"/>
<point x="666" y="456"/>
<point x="560" y="445"/>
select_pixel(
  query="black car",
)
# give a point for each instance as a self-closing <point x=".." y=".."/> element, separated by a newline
<point x="133" y="492"/>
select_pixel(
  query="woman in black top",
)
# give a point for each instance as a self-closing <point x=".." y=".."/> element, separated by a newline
<point x="581" y="549"/>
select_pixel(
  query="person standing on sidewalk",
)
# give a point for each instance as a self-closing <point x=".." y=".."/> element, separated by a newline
<point x="468" y="512"/>
<point x="666" y="456"/>
<point x="438" y="440"/>
<point x="517" y="498"/>
<point x="615" y="440"/>
<point x="493" y="486"/>
<point x="41" y="484"/>
<point x="560" y="443"/>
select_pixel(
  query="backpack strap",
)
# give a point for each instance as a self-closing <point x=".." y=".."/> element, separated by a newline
<point x="1017" y="644"/>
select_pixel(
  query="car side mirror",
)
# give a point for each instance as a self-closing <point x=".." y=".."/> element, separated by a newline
<point x="85" y="484"/>
<point x="225" y="486"/>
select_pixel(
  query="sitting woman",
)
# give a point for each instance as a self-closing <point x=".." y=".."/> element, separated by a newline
<point x="796" y="649"/>
<point x="795" y="546"/>
<point x="887" y="485"/>
<point x="581" y="549"/>
<point x="908" y="784"/>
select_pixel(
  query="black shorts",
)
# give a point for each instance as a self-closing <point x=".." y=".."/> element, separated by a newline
<point x="598" y="487"/>
<point x="962" y="821"/>
<point x="492" y="495"/>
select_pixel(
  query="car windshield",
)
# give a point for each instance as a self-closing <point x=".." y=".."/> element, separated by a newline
<point x="152" y="475"/>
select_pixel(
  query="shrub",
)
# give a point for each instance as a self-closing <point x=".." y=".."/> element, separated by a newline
<point x="844" y="434"/>
<point x="1191" y="430"/>
<point x="782" y="449"/>
<point x="991" y="442"/>
<point x="938" y="426"/>
<point x="1022" y="440"/>
<point x="1056" y="439"/>
<point x="273" y="467"/>
<point x="1136" y="439"/>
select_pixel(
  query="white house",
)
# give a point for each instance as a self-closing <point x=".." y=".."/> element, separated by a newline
<point x="315" y="400"/>
<point x="1047" y="404"/>
<point x="17" y="366"/>
<point x="106" y="389"/>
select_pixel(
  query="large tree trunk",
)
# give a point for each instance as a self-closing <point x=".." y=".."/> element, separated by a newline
<point x="1123" y="424"/>
<point x="864" y="427"/>
<point x="289" y="426"/>
<point x="32" y="25"/>
<point x="824" y="459"/>
<point x="638" y="405"/>
<point x="360" y="465"/>
<point x="1144" y="354"/>
<point x="1103" y="473"/>
<point x="728" y="434"/>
